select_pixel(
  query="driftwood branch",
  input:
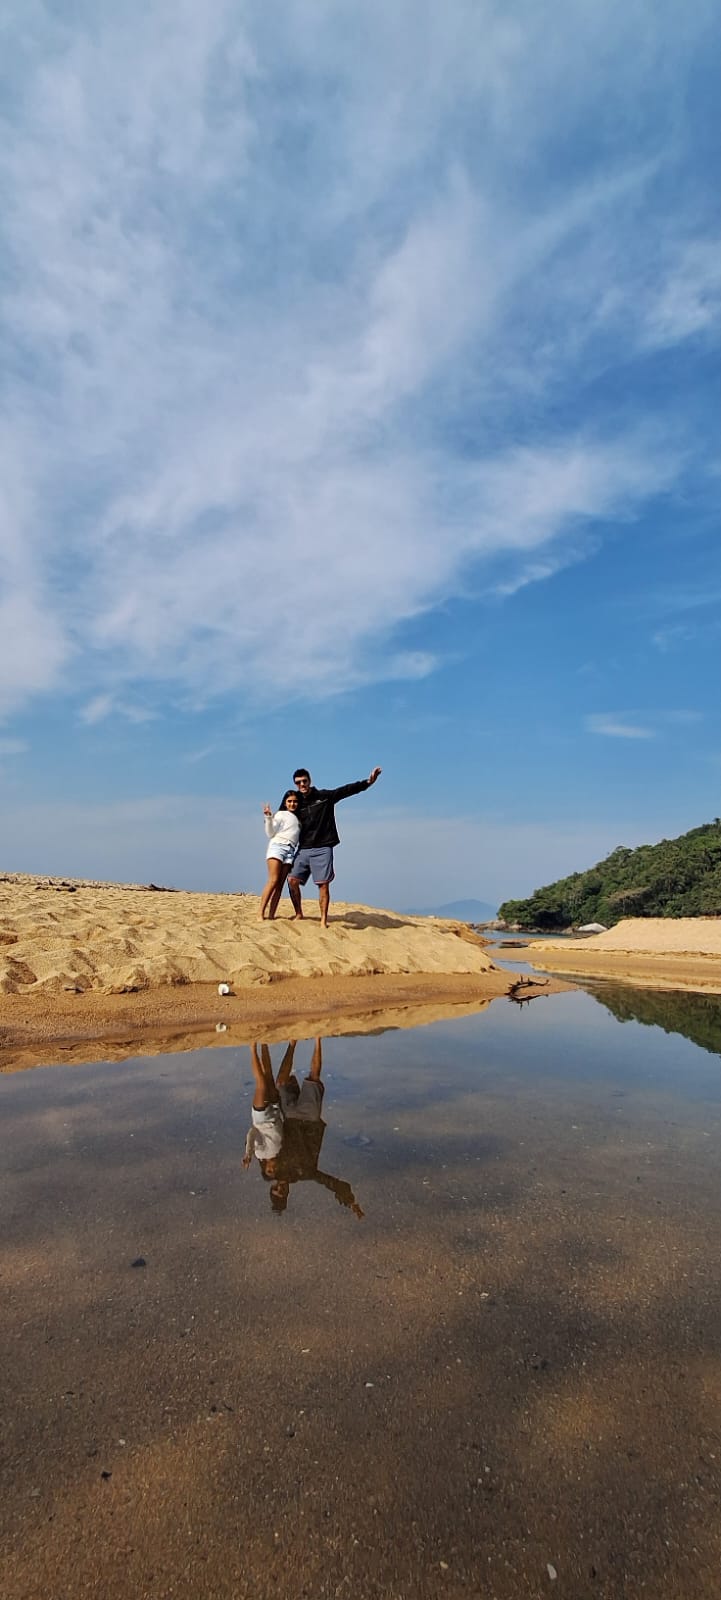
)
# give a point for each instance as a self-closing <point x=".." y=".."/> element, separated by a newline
<point x="516" y="990"/>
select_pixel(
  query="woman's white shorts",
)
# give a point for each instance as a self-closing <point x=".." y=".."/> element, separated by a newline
<point x="281" y="852"/>
<point x="269" y="1125"/>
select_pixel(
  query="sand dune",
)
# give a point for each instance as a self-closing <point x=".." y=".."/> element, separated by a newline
<point x="653" y="952"/>
<point x="67" y="936"/>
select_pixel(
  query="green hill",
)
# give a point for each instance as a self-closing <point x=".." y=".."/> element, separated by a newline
<point x="676" y="878"/>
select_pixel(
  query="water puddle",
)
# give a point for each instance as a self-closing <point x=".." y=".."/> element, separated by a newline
<point x="479" y="1336"/>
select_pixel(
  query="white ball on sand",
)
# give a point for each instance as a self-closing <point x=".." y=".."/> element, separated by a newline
<point x="223" y="988"/>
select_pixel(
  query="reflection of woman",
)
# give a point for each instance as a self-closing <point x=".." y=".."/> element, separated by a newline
<point x="283" y="831"/>
<point x="265" y="1134"/>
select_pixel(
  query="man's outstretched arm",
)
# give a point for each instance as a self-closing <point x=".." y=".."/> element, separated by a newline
<point x="342" y="1191"/>
<point x="347" y="789"/>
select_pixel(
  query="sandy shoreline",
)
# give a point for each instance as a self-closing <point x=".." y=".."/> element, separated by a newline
<point x="126" y="967"/>
<point x="114" y="1027"/>
<point x="107" y="969"/>
<point x="650" y="952"/>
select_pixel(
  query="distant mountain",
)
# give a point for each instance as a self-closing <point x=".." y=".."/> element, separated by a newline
<point x="457" y="910"/>
<point x="676" y="878"/>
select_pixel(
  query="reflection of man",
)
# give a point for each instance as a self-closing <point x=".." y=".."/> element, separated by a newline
<point x="294" y="1110"/>
<point x="318" y="837"/>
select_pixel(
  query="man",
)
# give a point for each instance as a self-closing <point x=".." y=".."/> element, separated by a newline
<point x="318" y="836"/>
<point x="303" y="1130"/>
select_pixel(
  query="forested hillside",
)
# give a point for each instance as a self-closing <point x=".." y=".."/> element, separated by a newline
<point x="676" y="878"/>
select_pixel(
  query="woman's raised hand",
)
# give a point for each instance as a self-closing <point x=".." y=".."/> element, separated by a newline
<point x="266" y="810"/>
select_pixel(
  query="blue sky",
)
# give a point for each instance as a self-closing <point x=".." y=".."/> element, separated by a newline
<point x="358" y="404"/>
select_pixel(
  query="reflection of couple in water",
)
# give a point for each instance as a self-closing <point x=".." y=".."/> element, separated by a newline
<point x="287" y="1128"/>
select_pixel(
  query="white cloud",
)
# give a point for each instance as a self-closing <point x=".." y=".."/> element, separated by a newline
<point x="689" y="301"/>
<point x="258" y="272"/>
<point x="12" y="747"/>
<point x="619" y="724"/>
<point x="103" y="706"/>
<point x="672" y="637"/>
<point x="96" y="709"/>
<point x="534" y="572"/>
<point x="411" y="664"/>
<point x="612" y="725"/>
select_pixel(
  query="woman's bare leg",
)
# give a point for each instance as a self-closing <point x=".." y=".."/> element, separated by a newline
<point x="278" y="890"/>
<point x="266" y="1093"/>
<point x="277" y="874"/>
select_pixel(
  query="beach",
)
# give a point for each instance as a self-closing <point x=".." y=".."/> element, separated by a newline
<point x="521" y="1313"/>
<point x="82" y="961"/>
<point x="650" y="952"/>
<point x="60" y="936"/>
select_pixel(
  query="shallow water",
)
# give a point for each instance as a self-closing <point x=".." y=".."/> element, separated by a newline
<point x="511" y="1360"/>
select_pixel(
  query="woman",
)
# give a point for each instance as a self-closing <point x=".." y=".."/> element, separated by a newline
<point x="283" y="830"/>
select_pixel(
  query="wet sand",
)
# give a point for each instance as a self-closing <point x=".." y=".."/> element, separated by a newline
<point x="510" y="1364"/>
<point x="204" y="1020"/>
<point x="82" y="1027"/>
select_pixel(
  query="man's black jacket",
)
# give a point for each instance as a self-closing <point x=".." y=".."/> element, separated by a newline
<point x="317" y="817"/>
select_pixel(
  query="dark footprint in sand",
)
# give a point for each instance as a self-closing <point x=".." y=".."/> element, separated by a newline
<point x="358" y="1141"/>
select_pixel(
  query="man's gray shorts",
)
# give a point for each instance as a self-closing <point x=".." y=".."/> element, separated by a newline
<point x="302" y="1100"/>
<point x="318" y="861"/>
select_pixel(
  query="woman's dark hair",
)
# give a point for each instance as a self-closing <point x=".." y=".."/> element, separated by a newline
<point x="283" y="806"/>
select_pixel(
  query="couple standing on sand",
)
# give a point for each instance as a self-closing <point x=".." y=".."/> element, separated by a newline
<point x="302" y="835"/>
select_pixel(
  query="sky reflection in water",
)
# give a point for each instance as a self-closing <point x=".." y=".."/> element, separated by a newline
<point x="509" y="1350"/>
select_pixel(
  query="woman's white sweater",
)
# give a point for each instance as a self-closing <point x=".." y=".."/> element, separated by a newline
<point x="283" y="828"/>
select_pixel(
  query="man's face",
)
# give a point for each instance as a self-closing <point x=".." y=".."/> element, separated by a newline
<point x="303" y="784"/>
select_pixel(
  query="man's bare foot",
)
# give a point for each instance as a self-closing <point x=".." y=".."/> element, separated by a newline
<point x="298" y="917"/>
<point x="324" y="922"/>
